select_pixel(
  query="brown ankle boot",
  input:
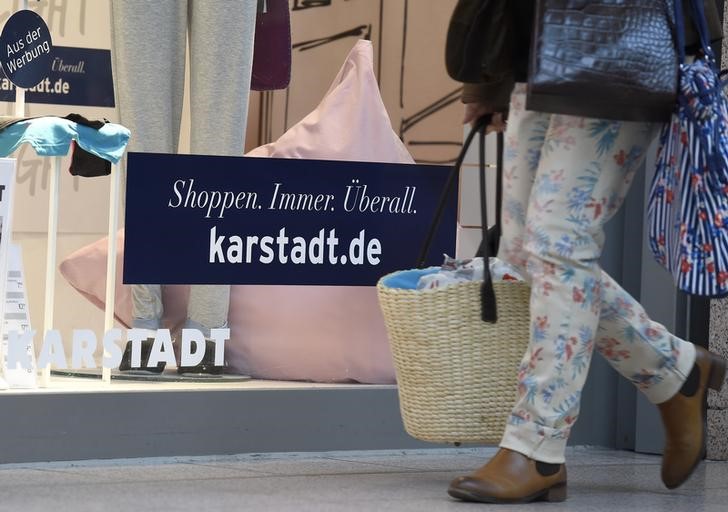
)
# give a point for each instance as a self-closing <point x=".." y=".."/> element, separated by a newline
<point x="683" y="417"/>
<point x="511" y="477"/>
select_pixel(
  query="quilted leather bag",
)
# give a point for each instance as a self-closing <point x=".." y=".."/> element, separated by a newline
<point x="688" y="202"/>
<point x="608" y="59"/>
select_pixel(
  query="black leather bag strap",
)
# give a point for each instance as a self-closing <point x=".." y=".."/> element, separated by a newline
<point x="500" y="148"/>
<point x="489" y="308"/>
<point x="492" y="236"/>
<point x="449" y="184"/>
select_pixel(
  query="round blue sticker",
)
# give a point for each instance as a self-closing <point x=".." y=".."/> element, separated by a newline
<point x="25" y="49"/>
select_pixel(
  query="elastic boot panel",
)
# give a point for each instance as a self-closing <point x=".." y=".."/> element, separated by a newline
<point x="546" y="469"/>
<point x="692" y="383"/>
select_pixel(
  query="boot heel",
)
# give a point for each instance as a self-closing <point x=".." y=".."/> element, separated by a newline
<point x="717" y="372"/>
<point x="556" y="493"/>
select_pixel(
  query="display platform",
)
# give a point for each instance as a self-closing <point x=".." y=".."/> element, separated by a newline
<point x="170" y="375"/>
<point x="84" y="418"/>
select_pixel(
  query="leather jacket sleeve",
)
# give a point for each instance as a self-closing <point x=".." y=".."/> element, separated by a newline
<point x="494" y="94"/>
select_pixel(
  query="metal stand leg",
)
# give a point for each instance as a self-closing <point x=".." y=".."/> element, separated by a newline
<point x="50" y="283"/>
<point x="111" y="258"/>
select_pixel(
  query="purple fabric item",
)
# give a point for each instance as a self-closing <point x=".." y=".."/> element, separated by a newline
<point x="272" y="50"/>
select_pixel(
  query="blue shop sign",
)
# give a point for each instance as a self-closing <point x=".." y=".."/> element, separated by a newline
<point x="75" y="76"/>
<point x="238" y="220"/>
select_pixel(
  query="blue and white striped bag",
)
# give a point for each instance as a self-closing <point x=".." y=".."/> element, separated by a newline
<point x="688" y="204"/>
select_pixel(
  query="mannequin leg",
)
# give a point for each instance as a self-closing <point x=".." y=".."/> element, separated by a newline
<point x="148" y="46"/>
<point x="221" y="58"/>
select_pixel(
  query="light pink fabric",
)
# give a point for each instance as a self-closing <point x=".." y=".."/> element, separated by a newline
<point x="85" y="270"/>
<point x="314" y="333"/>
<point x="350" y="123"/>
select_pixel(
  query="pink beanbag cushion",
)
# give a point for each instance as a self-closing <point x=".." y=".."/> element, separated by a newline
<point x="350" y="123"/>
<point x="85" y="270"/>
<point x="312" y="333"/>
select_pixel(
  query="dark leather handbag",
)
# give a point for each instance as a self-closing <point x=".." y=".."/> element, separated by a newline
<point x="608" y="59"/>
<point x="471" y="32"/>
<point x="272" y="50"/>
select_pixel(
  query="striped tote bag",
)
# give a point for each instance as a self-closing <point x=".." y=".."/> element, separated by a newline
<point x="688" y="201"/>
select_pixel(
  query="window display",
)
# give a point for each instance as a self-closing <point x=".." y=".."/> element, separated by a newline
<point x="328" y="334"/>
<point x="149" y="53"/>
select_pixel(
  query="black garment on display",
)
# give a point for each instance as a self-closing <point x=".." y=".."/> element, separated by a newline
<point x="83" y="163"/>
<point x="87" y="165"/>
<point x="79" y="119"/>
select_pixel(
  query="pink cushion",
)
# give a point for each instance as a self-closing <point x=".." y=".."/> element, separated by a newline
<point x="314" y="333"/>
<point x="350" y="123"/>
<point x="85" y="270"/>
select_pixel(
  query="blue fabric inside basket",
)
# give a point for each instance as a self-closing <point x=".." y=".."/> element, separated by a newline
<point x="407" y="279"/>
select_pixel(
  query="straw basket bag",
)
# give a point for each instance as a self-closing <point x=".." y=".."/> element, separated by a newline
<point x="457" y="348"/>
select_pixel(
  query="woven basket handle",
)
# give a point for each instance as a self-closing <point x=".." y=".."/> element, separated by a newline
<point x="489" y="242"/>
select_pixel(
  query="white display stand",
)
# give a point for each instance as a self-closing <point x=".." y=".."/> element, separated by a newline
<point x="7" y="182"/>
<point x="19" y="91"/>
<point x="111" y="258"/>
<point x="50" y="281"/>
<point x="16" y="317"/>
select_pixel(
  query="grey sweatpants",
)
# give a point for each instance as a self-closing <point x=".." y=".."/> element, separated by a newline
<point x="149" y="38"/>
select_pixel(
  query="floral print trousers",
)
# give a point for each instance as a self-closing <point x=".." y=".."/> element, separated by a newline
<point x="564" y="177"/>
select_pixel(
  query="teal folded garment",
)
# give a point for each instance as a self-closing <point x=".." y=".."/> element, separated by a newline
<point x="52" y="136"/>
<point x="407" y="279"/>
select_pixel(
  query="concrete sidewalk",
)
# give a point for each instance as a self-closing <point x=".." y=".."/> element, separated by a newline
<point x="599" y="480"/>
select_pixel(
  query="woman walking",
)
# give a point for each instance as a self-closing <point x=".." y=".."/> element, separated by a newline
<point x="565" y="176"/>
